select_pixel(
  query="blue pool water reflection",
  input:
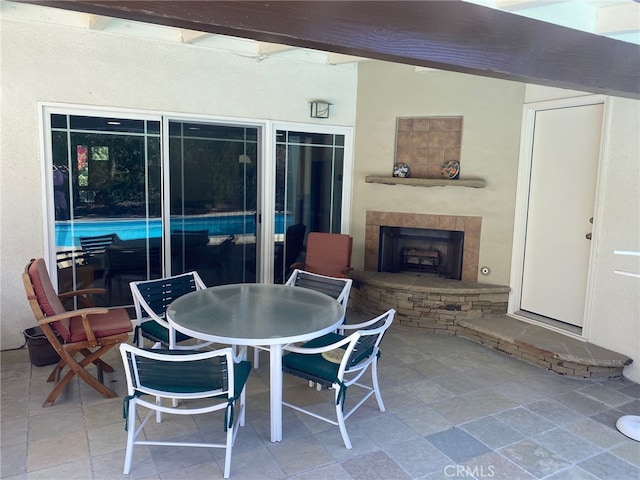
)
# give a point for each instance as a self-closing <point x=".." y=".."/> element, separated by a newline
<point x="68" y="233"/>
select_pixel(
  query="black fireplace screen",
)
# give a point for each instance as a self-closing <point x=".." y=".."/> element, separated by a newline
<point x="437" y="252"/>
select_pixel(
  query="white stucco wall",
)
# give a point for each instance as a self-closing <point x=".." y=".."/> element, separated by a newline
<point x="492" y="111"/>
<point x="614" y="307"/>
<point x="44" y="62"/>
<point x="615" y="314"/>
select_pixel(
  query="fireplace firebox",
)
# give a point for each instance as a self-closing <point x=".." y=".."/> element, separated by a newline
<point x="437" y="252"/>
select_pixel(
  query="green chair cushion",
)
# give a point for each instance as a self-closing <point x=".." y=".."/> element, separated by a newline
<point x="156" y="332"/>
<point x="312" y="367"/>
<point x="330" y="338"/>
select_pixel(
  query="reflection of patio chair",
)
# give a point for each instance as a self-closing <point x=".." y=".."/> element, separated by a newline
<point x="293" y="240"/>
<point x="206" y="382"/>
<point x="339" y="364"/>
<point x="125" y="264"/>
<point x="94" y="250"/>
<point x="97" y="245"/>
<point x="219" y="259"/>
<point x="187" y="247"/>
<point x="327" y="254"/>
<point x="91" y="332"/>
<point x="74" y="272"/>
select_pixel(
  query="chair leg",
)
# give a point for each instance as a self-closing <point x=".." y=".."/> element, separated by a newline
<point x="227" y="452"/>
<point x="376" y="387"/>
<point x="55" y="373"/>
<point x="158" y="412"/>
<point x="343" y="427"/>
<point x="256" y="357"/>
<point x="57" y="389"/>
<point x="95" y="384"/>
<point x="131" y="436"/>
<point x="243" y="401"/>
<point x="233" y="431"/>
<point x="98" y="362"/>
<point x="78" y="368"/>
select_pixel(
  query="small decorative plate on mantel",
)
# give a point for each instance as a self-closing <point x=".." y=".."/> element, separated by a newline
<point x="450" y="169"/>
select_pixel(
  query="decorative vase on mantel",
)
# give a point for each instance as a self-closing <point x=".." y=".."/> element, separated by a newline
<point x="401" y="170"/>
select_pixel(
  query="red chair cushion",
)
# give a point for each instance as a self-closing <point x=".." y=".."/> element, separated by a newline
<point x="47" y="296"/>
<point x="114" y="322"/>
<point x="71" y="330"/>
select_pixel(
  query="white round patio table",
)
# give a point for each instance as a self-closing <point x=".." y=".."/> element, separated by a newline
<point x="257" y="314"/>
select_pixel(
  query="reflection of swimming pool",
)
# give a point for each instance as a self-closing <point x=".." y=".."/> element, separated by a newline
<point x="68" y="233"/>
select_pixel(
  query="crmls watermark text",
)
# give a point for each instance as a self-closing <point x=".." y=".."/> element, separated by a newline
<point x="462" y="471"/>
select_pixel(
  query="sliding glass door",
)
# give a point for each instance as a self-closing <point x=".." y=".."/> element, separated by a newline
<point x="213" y="200"/>
<point x="135" y="197"/>
<point x="106" y="201"/>
<point x="121" y="213"/>
<point x="309" y="189"/>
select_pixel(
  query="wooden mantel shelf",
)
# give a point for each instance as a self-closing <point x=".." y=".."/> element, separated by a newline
<point x="427" y="182"/>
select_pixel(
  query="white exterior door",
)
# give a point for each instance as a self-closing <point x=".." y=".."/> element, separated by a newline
<point x="563" y="176"/>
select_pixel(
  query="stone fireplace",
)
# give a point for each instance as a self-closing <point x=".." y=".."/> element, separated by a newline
<point x="468" y="227"/>
<point x="423" y="250"/>
<point x="423" y="299"/>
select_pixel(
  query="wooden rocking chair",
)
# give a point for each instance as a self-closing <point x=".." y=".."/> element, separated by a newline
<point x="91" y="331"/>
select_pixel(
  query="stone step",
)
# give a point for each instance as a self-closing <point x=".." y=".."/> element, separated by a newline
<point x="543" y="347"/>
<point x="478" y="312"/>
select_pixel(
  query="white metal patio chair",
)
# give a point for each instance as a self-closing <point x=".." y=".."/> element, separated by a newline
<point x="337" y="288"/>
<point x="191" y="376"/>
<point x="151" y="299"/>
<point x="339" y="365"/>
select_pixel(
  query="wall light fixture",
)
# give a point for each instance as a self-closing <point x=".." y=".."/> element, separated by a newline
<point x="319" y="109"/>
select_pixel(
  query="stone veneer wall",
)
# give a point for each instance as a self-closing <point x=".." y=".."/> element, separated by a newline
<point x="426" y="301"/>
<point x="471" y="226"/>
<point x="598" y="363"/>
<point x="477" y="312"/>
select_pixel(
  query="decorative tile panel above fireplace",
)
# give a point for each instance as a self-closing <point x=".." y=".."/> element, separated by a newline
<point x="470" y="226"/>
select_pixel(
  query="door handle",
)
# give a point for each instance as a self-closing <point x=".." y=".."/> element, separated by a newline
<point x="588" y="236"/>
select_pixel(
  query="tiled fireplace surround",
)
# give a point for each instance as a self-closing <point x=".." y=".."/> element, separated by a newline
<point x="426" y="300"/>
<point x="471" y="226"/>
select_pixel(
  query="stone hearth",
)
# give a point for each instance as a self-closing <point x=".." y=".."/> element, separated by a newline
<point x="478" y="312"/>
<point x="426" y="301"/>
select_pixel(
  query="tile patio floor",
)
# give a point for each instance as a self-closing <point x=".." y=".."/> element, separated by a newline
<point x="455" y="409"/>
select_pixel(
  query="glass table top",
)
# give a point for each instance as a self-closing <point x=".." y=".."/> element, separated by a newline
<point x="255" y="314"/>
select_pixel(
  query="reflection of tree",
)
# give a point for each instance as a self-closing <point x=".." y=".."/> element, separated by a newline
<point x="119" y="180"/>
<point x="126" y="175"/>
<point x="207" y="176"/>
<point x="205" y="173"/>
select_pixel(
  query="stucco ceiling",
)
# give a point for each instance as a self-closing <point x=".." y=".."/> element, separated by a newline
<point x="617" y="19"/>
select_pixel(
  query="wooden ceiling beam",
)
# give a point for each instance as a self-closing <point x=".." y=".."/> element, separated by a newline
<point x="448" y="35"/>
